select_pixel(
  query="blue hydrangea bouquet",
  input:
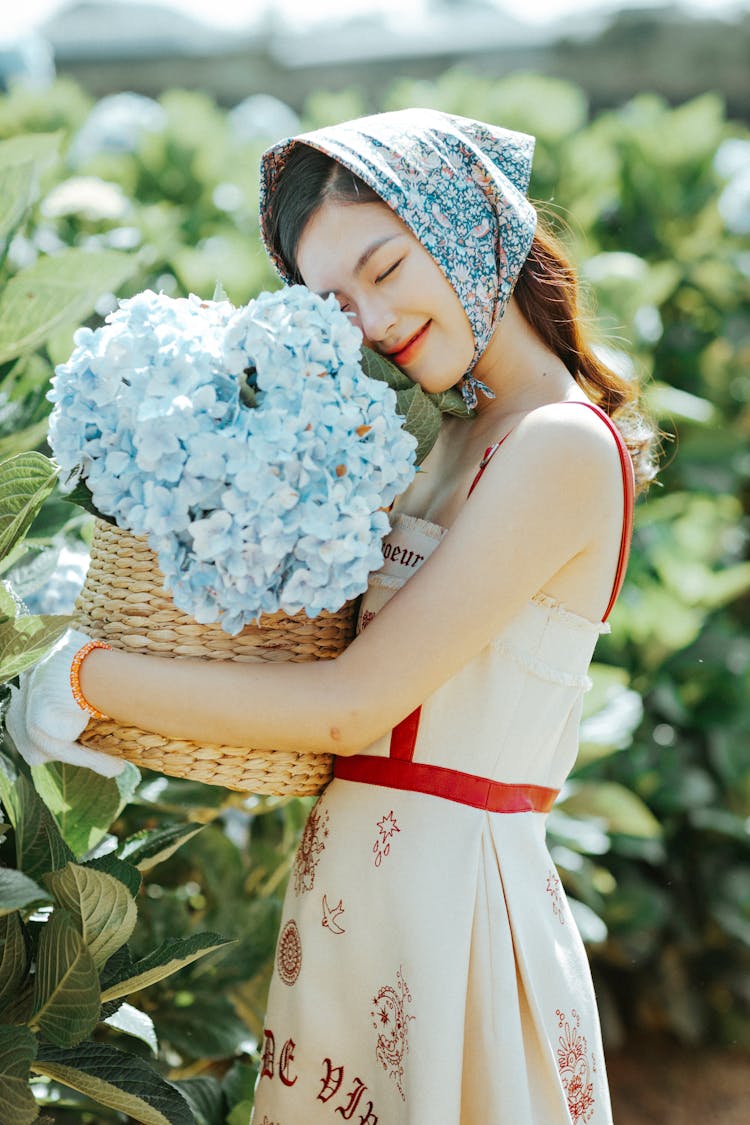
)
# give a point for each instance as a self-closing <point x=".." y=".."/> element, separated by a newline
<point x="255" y="450"/>
<point x="247" y="444"/>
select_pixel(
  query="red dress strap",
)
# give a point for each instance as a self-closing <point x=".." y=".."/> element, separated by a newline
<point x="489" y="453"/>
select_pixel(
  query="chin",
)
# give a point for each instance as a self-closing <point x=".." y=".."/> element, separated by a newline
<point x="437" y="386"/>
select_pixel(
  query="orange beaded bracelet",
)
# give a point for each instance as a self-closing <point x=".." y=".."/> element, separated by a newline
<point x="75" y="680"/>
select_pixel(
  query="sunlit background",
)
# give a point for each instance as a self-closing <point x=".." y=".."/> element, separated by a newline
<point x="130" y="135"/>
<point x="239" y="13"/>
<point x="289" y="48"/>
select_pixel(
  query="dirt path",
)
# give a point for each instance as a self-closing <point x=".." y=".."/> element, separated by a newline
<point x="658" y="1084"/>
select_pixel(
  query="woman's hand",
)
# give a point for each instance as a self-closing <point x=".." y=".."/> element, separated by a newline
<point x="45" y="721"/>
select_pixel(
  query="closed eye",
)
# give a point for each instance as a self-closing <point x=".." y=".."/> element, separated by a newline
<point x="389" y="271"/>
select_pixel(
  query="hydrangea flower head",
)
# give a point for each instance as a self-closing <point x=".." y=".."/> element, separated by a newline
<point x="247" y="444"/>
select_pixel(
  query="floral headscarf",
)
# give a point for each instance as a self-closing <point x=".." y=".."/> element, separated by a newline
<point x="460" y="187"/>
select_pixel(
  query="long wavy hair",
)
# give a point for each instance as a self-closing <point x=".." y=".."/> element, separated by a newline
<point x="547" y="292"/>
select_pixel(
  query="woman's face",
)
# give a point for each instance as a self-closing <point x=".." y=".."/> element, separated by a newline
<point x="399" y="297"/>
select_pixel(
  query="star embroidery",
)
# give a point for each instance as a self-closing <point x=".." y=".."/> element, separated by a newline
<point x="388" y="826"/>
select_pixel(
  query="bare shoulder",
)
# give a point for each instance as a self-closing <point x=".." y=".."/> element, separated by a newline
<point x="567" y="439"/>
<point x="569" y="432"/>
<point x="559" y="464"/>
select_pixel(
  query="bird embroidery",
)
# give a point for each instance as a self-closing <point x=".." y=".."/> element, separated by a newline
<point x="330" y="916"/>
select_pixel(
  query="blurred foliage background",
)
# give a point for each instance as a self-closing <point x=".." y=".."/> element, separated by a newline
<point x="651" y="836"/>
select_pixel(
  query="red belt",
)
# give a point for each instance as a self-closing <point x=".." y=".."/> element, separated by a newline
<point x="439" y="781"/>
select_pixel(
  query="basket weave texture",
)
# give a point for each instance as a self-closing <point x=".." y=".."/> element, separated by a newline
<point x="123" y="602"/>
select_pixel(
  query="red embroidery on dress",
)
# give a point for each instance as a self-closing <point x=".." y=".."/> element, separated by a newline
<point x="286" y="1058"/>
<point x="391" y="1022"/>
<point x="330" y="1083"/>
<point x="367" y="617"/>
<point x="553" y="890"/>
<point x="387" y="828"/>
<point x="289" y="955"/>
<point x="310" y="849"/>
<point x="331" y="915"/>
<point x="575" y="1070"/>
<point x="269" y="1054"/>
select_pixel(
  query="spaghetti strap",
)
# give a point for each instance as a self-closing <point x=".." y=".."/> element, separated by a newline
<point x="628" y="481"/>
<point x="489" y="453"/>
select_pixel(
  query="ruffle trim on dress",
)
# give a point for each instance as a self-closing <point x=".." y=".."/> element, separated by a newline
<point x="567" y="615"/>
<point x="541" y="669"/>
<point x="416" y="523"/>
<point x="386" y="581"/>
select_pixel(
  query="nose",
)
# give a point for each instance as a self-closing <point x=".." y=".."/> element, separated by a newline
<point x="376" y="319"/>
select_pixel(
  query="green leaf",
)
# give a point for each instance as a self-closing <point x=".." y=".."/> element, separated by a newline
<point x="22" y="160"/>
<point x="18" y="891"/>
<point x="618" y="807"/>
<point x="607" y="680"/>
<point x="678" y="405"/>
<point x="589" y="925"/>
<point x="83" y="802"/>
<point x="613" y="725"/>
<point x="17" y="1012"/>
<point x="39" y="846"/>
<point x="135" y="1023"/>
<point x="102" y="908"/>
<point x="14" y="957"/>
<point x="376" y="366"/>
<point x="147" y="848"/>
<point x="204" y="1096"/>
<point x="170" y="956"/>
<point x="82" y="497"/>
<point x="118" y="1080"/>
<point x="8" y="604"/>
<point x="422" y="412"/>
<point x="18" y="1046"/>
<point x="26" y="481"/>
<point x="35" y="571"/>
<point x="240" y="1114"/>
<point x="451" y="402"/>
<point x="54" y="291"/>
<point x="203" y="1025"/>
<point x="128" y="875"/>
<point x="239" y="1082"/>
<point x="66" y="987"/>
<point x="25" y="439"/>
<point x="24" y="641"/>
<point x="421" y="418"/>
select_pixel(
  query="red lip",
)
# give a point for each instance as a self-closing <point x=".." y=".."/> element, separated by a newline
<point x="406" y="353"/>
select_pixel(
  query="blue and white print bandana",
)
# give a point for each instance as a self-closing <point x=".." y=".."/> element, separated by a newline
<point x="458" y="184"/>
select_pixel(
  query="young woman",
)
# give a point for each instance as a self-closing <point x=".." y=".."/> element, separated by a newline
<point x="428" y="968"/>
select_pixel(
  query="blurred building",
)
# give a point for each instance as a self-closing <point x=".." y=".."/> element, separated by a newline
<point x="147" y="48"/>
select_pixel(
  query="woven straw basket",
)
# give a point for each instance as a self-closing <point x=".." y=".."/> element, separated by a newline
<point x="124" y="603"/>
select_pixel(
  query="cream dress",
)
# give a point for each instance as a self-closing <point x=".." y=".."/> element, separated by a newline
<point x="428" y="969"/>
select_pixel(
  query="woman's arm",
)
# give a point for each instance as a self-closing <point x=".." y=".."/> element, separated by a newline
<point x="543" y="500"/>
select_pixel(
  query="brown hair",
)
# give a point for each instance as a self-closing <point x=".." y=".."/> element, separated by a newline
<point x="547" y="294"/>
<point x="308" y="178"/>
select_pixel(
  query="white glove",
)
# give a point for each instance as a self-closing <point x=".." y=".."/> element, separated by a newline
<point x="44" y="720"/>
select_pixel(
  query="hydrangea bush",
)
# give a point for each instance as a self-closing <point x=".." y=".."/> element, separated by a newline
<point x="247" y="444"/>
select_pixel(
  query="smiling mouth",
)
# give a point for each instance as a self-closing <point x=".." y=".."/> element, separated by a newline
<point x="408" y="351"/>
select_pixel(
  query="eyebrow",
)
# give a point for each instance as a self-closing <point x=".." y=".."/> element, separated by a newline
<point x="368" y="253"/>
<point x="365" y="257"/>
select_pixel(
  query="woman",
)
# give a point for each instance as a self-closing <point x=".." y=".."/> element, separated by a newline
<point x="428" y="967"/>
